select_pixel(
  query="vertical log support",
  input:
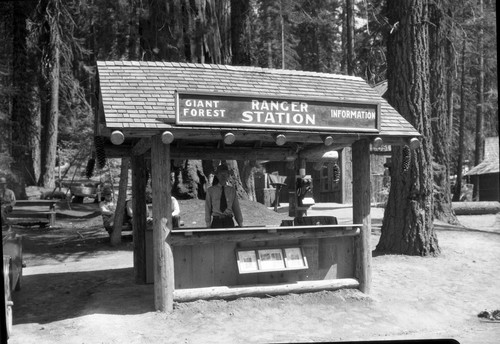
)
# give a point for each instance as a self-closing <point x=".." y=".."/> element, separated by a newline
<point x="139" y="181"/>
<point x="361" y="212"/>
<point x="301" y="174"/>
<point x="162" y="224"/>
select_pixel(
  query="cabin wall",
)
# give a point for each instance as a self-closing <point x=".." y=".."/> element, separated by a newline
<point x="489" y="187"/>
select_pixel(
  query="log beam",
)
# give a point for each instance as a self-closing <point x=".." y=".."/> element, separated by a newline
<point x="224" y="292"/>
<point x="232" y="153"/>
<point x="206" y="237"/>
<point x="361" y="212"/>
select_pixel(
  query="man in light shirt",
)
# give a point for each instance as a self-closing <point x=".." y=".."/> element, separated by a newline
<point x="8" y="200"/>
<point x="221" y="203"/>
<point x="108" y="209"/>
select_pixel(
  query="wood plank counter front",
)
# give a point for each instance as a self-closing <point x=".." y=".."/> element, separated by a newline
<point x="207" y="258"/>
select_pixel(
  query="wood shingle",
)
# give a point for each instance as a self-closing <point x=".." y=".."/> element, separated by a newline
<point x="142" y="94"/>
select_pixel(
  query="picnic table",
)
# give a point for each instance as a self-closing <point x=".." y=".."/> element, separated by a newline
<point x="29" y="212"/>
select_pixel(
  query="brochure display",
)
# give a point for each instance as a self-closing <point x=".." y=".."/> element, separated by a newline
<point x="271" y="259"/>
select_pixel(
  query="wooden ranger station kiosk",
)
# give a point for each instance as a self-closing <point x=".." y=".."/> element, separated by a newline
<point x="162" y="111"/>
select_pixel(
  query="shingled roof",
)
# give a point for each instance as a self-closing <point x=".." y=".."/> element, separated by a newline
<point x="491" y="163"/>
<point x="141" y="95"/>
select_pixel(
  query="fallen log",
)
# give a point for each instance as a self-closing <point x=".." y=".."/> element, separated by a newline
<point x="476" y="208"/>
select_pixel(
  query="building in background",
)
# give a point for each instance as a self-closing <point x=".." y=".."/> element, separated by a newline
<point x="486" y="174"/>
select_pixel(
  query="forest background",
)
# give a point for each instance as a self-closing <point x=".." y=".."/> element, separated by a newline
<point x="50" y="48"/>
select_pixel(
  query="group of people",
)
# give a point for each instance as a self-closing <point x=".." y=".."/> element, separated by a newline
<point x="108" y="209"/>
<point x="222" y="207"/>
<point x="221" y="204"/>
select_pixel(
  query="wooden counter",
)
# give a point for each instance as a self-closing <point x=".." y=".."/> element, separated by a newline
<point x="206" y="258"/>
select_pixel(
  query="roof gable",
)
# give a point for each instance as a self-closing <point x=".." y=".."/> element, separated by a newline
<point x="141" y="95"/>
<point x="490" y="164"/>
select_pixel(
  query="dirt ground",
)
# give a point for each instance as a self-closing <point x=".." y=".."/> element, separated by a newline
<point x="77" y="289"/>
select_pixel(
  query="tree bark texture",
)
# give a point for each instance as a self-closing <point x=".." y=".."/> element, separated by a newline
<point x="162" y="224"/>
<point x="461" y="132"/>
<point x="239" y="14"/>
<point x="479" y="152"/>
<point x="247" y="169"/>
<point x="439" y="35"/>
<point x="51" y="125"/>
<point x="189" y="180"/>
<point x="25" y="120"/>
<point x="349" y="37"/>
<point x="235" y="179"/>
<point x="407" y="226"/>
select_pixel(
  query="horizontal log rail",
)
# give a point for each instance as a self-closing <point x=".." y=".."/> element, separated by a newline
<point x="186" y="237"/>
<point x="230" y="292"/>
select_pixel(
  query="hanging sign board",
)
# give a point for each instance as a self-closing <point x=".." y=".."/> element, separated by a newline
<point x="265" y="112"/>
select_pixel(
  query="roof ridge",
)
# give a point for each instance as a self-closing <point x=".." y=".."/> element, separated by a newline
<point x="227" y="67"/>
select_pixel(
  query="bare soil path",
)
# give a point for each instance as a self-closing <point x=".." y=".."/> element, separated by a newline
<point x="77" y="289"/>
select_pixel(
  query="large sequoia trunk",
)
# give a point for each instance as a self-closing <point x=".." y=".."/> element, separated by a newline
<point x="239" y="15"/>
<point x="25" y="115"/>
<point x="407" y="227"/>
<point x="189" y="180"/>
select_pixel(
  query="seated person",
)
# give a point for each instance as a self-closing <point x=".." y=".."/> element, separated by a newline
<point x="108" y="208"/>
<point x="149" y="219"/>
<point x="176" y="211"/>
<point x="7" y="199"/>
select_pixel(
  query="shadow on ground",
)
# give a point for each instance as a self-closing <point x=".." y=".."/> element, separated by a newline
<point x="45" y="298"/>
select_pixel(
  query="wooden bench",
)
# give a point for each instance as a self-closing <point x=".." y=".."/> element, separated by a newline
<point x="32" y="212"/>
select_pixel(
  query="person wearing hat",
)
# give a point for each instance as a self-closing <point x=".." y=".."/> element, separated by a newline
<point x="7" y="200"/>
<point x="221" y="203"/>
<point x="108" y="208"/>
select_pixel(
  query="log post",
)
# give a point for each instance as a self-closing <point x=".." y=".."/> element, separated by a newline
<point x="162" y="204"/>
<point x="139" y="177"/>
<point x="361" y="212"/>
<point x="169" y="260"/>
<point x="116" y="234"/>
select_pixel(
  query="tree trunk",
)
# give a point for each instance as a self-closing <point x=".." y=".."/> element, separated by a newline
<point x="240" y="11"/>
<point x="235" y="179"/>
<point x="116" y="235"/>
<point x="178" y="32"/>
<point x="478" y="155"/>
<point x="439" y="33"/>
<point x="407" y="226"/>
<point x="247" y="169"/>
<point x="24" y="118"/>
<point x="51" y="125"/>
<point x="461" y="132"/>
<point x="349" y="37"/>
<point x="189" y="180"/>
<point x="269" y="43"/>
<point x="132" y="50"/>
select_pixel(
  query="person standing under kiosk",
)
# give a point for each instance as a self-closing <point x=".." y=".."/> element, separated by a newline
<point x="221" y="203"/>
